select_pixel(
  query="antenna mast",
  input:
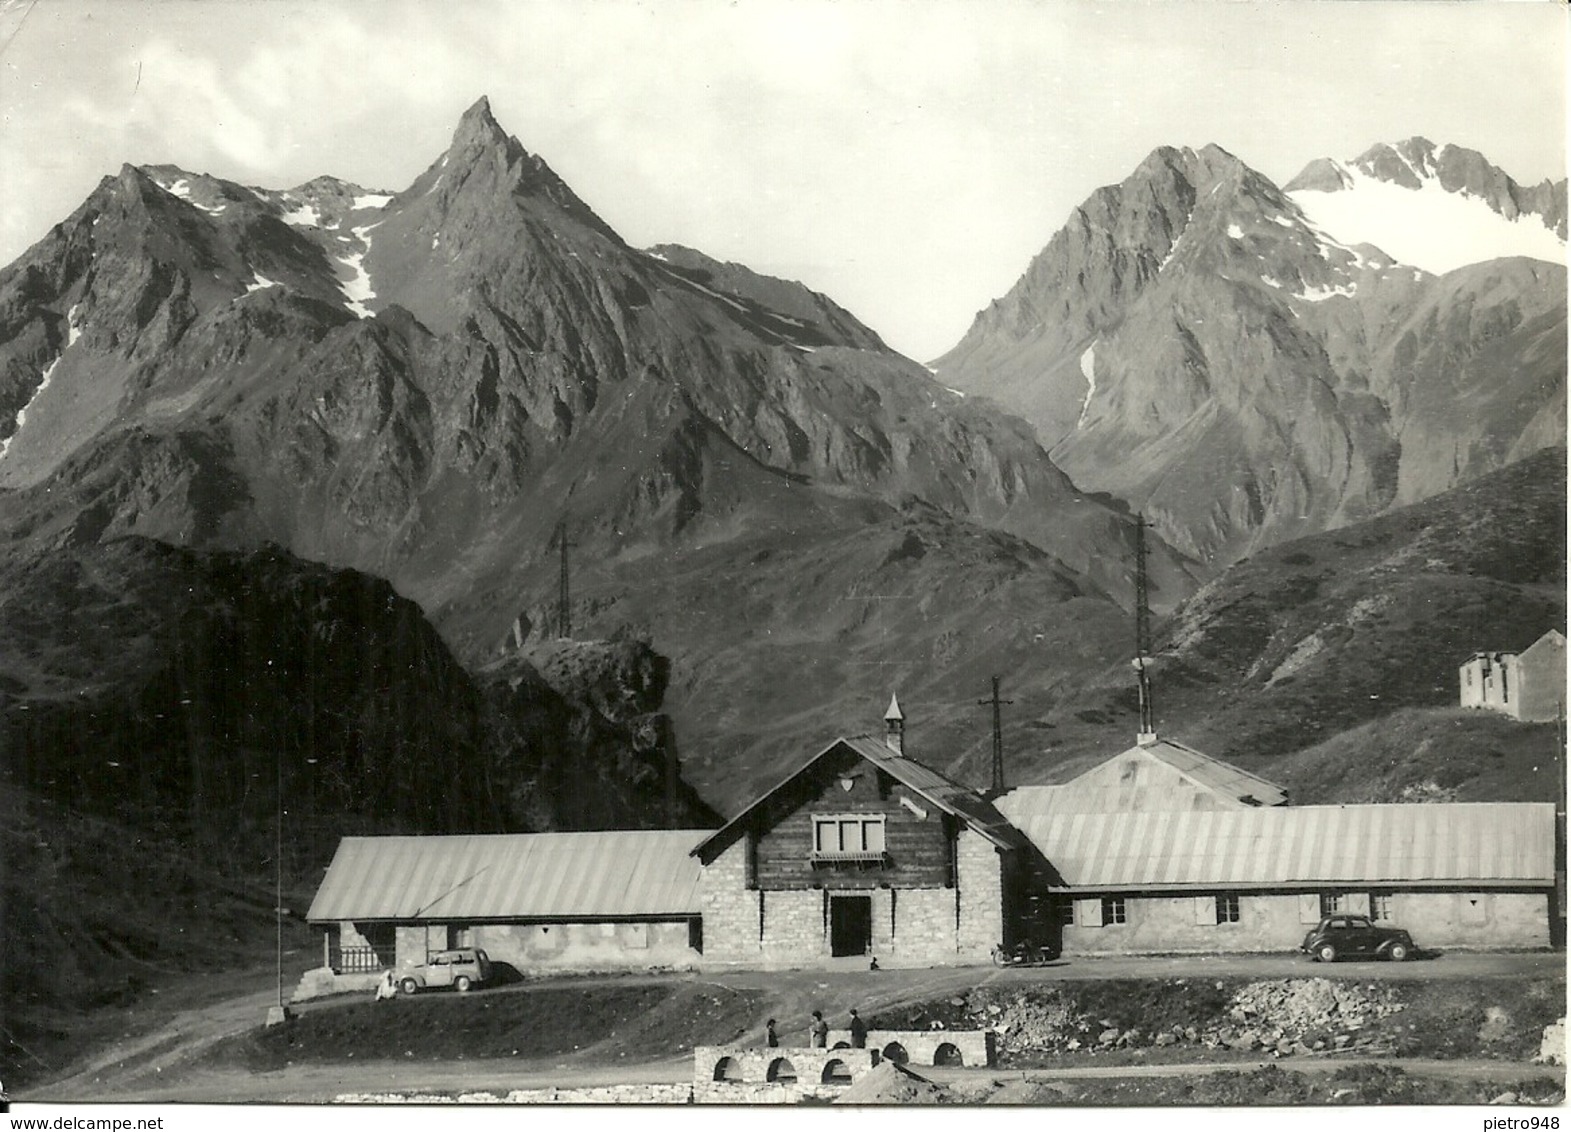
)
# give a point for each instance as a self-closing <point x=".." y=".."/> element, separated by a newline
<point x="1143" y="634"/>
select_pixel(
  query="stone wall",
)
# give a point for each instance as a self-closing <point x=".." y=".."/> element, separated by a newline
<point x="722" y="1071"/>
<point x="794" y="934"/>
<point x="919" y="1048"/>
<point x="597" y="946"/>
<point x="730" y="909"/>
<point x="321" y="981"/>
<point x="981" y="886"/>
<point x="1279" y="921"/>
<point x="1474" y="919"/>
<point x="911" y="926"/>
<point x="924" y="928"/>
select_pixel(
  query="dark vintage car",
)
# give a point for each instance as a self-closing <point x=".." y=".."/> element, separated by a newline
<point x="1342" y="935"/>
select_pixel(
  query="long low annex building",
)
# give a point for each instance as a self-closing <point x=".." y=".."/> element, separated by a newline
<point x="864" y="854"/>
<point x="532" y="901"/>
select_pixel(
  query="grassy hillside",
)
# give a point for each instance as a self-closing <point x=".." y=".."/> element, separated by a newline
<point x="1430" y="755"/>
<point x="1303" y="662"/>
<point x="97" y="916"/>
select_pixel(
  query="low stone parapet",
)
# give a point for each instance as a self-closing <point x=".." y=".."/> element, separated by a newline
<point x="779" y="1075"/>
<point x="925" y="1047"/>
<point x="320" y="982"/>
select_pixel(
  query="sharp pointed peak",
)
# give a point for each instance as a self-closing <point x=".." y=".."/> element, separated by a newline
<point x="479" y="110"/>
<point x="478" y="125"/>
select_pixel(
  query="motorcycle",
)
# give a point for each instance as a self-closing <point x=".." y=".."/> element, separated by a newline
<point x="1024" y="955"/>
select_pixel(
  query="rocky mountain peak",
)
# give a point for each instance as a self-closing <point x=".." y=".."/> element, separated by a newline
<point x="478" y="130"/>
<point x="1289" y="336"/>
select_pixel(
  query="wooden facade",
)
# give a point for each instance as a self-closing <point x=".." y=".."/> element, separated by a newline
<point x="860" y="854"/>
<point x="915" y="846"/>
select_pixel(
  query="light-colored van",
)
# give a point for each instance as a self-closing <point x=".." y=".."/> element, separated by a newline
<point x="460" y="968"/>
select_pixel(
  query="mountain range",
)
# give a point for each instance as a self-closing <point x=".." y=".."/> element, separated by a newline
<point x="426" y="385"/>
<point x="1248" y="363"/>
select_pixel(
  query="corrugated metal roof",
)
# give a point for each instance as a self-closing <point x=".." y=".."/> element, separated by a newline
<point x="1484" y="844"/>
<point x="1224" y="778"/>
<point x="512" y="876"/>
<point x="1111" y="786"/>
<point x="947" y="795"/>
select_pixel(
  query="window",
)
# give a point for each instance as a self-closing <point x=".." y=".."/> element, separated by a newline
<point x="1113" y="911"/>
<point x="1227" y="908"/>
<point x="848" y="837"/>
<point x="1064" y="912"/>
<point x="1332" y="903"/>
<point x="1380" y="906"/>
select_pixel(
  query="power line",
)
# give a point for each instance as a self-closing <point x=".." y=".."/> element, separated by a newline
<point x="998" y="737"/>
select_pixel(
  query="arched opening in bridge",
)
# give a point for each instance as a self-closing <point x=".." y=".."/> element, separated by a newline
<point x="781" y="1071"/>
<point x="947" y="1053"/>
<point x="896" y="1053"/>
<point x="728" y="1069"/>
<point x="836" y="1072"/>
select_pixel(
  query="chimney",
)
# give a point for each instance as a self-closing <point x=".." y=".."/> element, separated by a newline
<point x="894" y="727"/>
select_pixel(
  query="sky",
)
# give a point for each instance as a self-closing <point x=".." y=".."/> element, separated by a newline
<point x="906" y="157"/>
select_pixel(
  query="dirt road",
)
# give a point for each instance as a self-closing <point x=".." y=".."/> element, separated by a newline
<point x="161" y="1063"/>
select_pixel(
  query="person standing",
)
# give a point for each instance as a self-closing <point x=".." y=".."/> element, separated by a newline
<point x="771" y="1039"/>
<point x="858" y="1031"/>
<point x="818" y="1031"/>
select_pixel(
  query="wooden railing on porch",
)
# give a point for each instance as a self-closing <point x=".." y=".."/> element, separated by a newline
<point x="354" y="960"/>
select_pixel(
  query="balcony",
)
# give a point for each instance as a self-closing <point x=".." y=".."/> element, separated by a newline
<point x="848" y="858"/>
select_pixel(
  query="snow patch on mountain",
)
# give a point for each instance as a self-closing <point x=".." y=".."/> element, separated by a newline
<point x="1088" y="368"/>
<point x="21" y="414"/>
<point x="357" y="288"/>
<point x="1321" y="294"/>
<point x="259" y="281"/>
<point x="305" y="216"/>
<point x="372" y="200"/>
<point x="1428" y="227"/>
<point x="1235" y="232"/>
<point x="73" y="330"/>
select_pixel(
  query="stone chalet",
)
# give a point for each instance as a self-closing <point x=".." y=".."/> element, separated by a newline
<point x="1529" y="685"/>
<point x="864" y="853"/>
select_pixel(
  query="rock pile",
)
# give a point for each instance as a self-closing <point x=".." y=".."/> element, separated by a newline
<point x="1306" y="1015"/>
<point x="1279" y="1018"/>
<point x="1045" y="1020"/>
<point x="894" y="1084"/>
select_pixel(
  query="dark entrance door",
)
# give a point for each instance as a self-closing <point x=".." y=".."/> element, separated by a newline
<point x="850" y="925"/>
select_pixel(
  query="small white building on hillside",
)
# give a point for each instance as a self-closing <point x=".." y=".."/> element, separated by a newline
<point x="1530" y="685"/>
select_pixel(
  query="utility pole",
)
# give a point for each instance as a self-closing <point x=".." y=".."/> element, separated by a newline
<point x="1143" y="634"/>
<point x="564" y="610"/>
<point x="998" y="737"/>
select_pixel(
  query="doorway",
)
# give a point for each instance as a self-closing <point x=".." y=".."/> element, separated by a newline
<point x="850" y="925"/>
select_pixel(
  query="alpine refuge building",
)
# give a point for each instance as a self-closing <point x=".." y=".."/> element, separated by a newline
<point x="863" y="854"/>
<point x="860" y="852"/>
<point x="1530" y="685"/>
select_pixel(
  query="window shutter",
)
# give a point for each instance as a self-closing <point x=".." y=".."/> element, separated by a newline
<point x="1205" y="911"/>
<point x="1475" y="907"/>
<point x="1357" y="902"/>
<point x="1309" y="907"/>
<point x="1088" y="912"/>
